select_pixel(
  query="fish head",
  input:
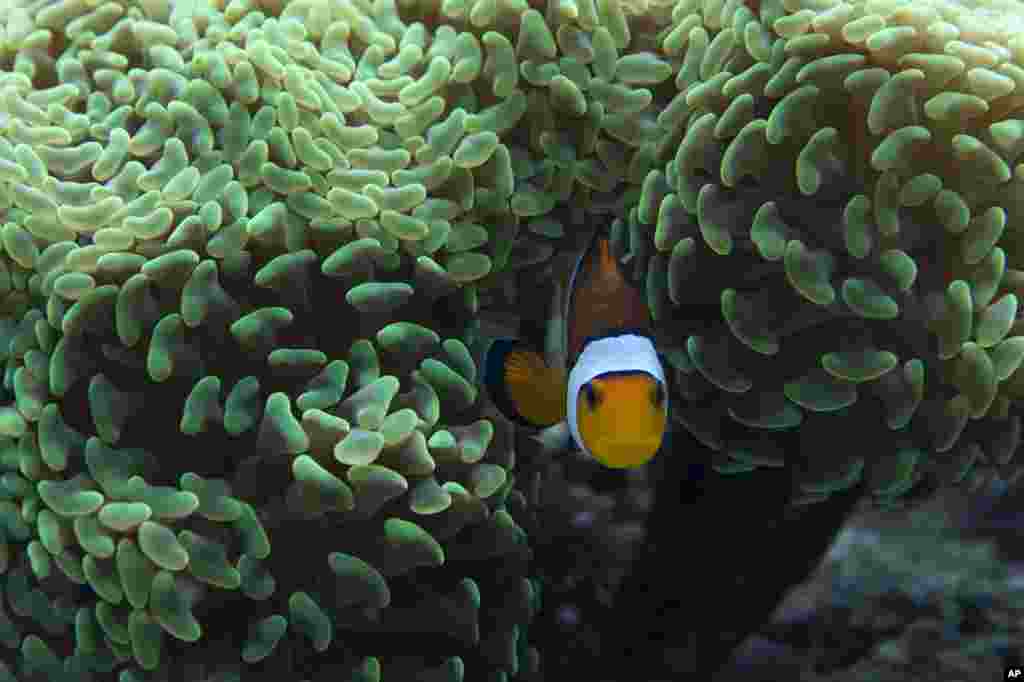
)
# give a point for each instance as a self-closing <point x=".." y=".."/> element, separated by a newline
<point x="617" y="400"/>
<point x="621" y="418"/>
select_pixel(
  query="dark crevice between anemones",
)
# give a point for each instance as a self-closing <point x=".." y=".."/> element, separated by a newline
<point x="720" y="553"/>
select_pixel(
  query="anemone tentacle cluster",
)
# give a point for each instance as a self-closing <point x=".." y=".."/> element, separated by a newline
<point x="229" y="231"/>
<point x="847" y="183"/>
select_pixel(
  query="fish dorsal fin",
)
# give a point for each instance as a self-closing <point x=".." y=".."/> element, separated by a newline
<point x="600" y="298"/>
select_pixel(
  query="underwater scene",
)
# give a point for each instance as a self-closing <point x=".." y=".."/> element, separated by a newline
<point x="511" y="340"/>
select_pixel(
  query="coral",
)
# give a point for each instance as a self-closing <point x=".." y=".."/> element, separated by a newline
<point x="906" y="597"/>
<point x="203" y="474"/>
<point x="845" y="188"/>
<point x="248" y="248"/>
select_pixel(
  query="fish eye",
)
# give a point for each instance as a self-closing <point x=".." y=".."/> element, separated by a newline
<point x="590" y="395"/>
<point x="658" y="394"/>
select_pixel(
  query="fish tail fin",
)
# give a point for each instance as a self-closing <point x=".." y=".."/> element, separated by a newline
<point x="522" y="386"/>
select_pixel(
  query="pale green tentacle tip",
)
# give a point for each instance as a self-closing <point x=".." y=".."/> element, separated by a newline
<point x="306" y="616"/>
<point x="264" y="636"/>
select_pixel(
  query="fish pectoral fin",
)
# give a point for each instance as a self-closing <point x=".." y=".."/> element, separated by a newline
<point x="522" y="386"/>
<point x="554" y="439"/>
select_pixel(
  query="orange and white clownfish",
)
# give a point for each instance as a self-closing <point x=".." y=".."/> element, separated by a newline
<point x="603" y="383"/>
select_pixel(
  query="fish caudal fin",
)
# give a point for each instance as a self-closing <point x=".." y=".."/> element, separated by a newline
<point x="522" y="385"/>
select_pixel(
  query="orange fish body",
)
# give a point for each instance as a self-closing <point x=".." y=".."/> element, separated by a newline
<point x="600" y="299"/>
<point x="611" y="393"/>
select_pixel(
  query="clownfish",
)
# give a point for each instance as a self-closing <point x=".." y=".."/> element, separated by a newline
<point x="603" y="384"/>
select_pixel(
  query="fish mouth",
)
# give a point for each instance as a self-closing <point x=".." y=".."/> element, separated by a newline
<point x="622" y="453"/>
